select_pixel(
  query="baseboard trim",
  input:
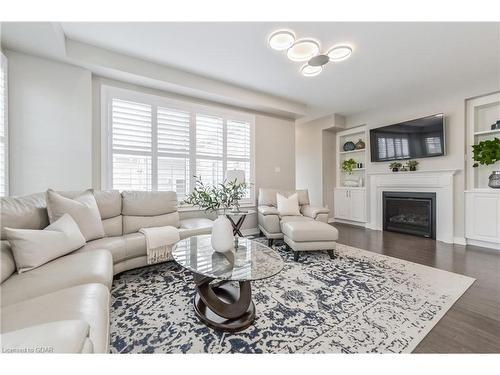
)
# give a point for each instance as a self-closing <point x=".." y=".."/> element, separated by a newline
<point x="489" y="245"/>
<point x="355" y="223"/>
<point x="459" y="241"/>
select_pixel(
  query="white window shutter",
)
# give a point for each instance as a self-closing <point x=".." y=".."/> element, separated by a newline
<point x="131" y="145"/>
<point x="4" y="183"/>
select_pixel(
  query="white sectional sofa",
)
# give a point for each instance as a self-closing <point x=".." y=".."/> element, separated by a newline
<point x="69" y="296"/>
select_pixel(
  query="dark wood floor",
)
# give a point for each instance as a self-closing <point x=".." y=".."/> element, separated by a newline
<point x="472" y="325"/>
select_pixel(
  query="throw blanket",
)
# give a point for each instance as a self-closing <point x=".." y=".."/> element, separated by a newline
<point x="159" y="243"/>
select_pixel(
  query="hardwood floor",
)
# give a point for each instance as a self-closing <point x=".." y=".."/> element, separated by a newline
<point x="472" y="325"/>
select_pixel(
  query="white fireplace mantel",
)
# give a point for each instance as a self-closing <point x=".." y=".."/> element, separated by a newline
<point x="435" y="181"/>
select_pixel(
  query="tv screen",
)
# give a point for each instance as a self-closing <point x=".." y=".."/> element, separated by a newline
<point x="420" y="138"/>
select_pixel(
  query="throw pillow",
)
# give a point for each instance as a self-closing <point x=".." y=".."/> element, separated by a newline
<point x="288" y="206"/>
<point x="32" y="248"/>
<point x="83" y="209"/>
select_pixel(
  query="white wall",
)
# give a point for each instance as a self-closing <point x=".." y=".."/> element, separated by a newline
<point x="453" y="107"/>
<point x="50" y="125"/>
<point x="315" y="157"/>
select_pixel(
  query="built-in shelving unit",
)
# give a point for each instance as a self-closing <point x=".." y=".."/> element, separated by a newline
<point x="482" y="203"/>
<point x="350" y="202"/>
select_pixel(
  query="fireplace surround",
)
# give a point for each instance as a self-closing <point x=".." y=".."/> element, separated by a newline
<point x="410" y="212"/>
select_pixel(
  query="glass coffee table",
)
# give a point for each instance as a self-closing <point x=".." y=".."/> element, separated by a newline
<point x="218" y="302"/>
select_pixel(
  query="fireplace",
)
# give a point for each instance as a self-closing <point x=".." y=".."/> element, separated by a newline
<point x="410" y="213"/>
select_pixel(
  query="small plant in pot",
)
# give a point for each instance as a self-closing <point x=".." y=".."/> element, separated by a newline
<point x="488" y="153"/>
<point x="412" y="165"/>
<point x="218" y="198"/>
<point x="395" y="165"/>
<point x="348" y="165"/>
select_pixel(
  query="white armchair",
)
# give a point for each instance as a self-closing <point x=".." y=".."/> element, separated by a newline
<point x="268" y="216"/>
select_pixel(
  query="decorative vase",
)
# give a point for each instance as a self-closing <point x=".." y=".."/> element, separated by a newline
<point x="395" y="169"/>
<point x="349" y="146"/>
<point x="360" y="145"/>
<point x="494" y="180"/>
<point x="413" y="169"/>
<point x="222" y="235"/>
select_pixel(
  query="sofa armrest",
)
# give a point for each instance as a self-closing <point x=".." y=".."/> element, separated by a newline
<point x="268" y="210"/>
<point x="313" y="211"/>
<point x="64" y="336"/>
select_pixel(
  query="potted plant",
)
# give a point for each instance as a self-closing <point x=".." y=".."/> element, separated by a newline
<point x="395" y="165"/>
<point x="487" y="153"/>
<point x="348" y="165"/>
<point x="218" y="198"/>
<point x="412" y="165"/>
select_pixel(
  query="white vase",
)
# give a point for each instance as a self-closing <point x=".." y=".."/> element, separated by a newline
<point x="222" y="235"/>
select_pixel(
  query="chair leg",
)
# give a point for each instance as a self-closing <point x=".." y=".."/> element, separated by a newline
<point x="261" y="234"/>
<point x="331" y="253"/>
<point x="270" y="242"/>
<point x="296" y="256"/>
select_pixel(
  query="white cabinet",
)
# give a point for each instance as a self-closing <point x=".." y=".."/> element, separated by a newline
<point x="482" y="219"/>
<point x="350" y="204"/>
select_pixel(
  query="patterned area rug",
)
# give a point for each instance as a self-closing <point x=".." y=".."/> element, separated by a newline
<point x="360" y="302"/>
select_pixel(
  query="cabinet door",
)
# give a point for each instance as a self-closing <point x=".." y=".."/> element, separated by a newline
<point x="482" y="217"/>
<point x="357" y="202"/>
<point x="341" y="204"/>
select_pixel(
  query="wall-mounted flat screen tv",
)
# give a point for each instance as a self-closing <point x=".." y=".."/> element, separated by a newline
<point x="420" y="138"/>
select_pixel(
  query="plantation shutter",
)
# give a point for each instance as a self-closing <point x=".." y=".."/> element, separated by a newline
<point x="131" y="145"/>
<point x="209" y="149"/>
<point x="4" y="184"/>
<point x="173" y="151"/>
<point x="238" y="148"/>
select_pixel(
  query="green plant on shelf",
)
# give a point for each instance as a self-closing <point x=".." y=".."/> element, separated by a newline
<point x="412" y="165"/>
<point x="395" y="165"/>
<point x="349" y="165"/>
<point x="486" y="152"/>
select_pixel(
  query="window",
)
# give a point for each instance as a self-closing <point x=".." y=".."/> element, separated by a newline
<point x="4" y="150"/>
<point x="154" y="143"/>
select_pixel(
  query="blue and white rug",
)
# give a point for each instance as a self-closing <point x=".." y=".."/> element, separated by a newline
<point x="360" y="302"/>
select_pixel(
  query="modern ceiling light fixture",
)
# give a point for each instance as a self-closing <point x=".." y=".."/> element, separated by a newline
<point x="339" y="53"/>
<point x="303" y="50"/>
<point x="307" y="50"/>
<point x="281" y="40"/>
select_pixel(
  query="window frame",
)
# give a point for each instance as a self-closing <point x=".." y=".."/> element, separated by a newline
<point x="108" y="93"/>
<point x="5" y="68"/>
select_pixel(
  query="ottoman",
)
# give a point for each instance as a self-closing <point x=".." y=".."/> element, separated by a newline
<point x="309" y="235"/>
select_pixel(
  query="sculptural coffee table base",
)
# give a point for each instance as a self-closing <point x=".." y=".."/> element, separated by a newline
<point x="223" y="306"/>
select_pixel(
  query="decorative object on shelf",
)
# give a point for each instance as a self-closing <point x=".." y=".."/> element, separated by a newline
<point x="395" y="165"/>
<point x="404" y="169"/>
<point x="488" y="153"/>
<point x="348" y="165"/>
<point x="412" y="165"/>
<point x="494" y="180"/>
<point x="359" y="165"/>
<point x="496" y="125"/>
<point x="351" y="183"/>
<point x="349" y="146"/>
<point x="360" y="145"/>
<point x="219" y="198"/>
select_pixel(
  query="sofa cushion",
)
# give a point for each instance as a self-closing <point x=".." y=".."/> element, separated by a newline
<point x="82" y="208"/>
<point x="267" y="197"/>
<point x="148" y="203"/>
<point x="7" y="264"/>
<point x="132" y="224"/>
<point x="268" y="210"/>
<point x="309" y="231"/>
<point x="135" y="244"/>
<point x="109" y="203"/>
<point x="65" y="336"/>
<point x="113" y="226"/>
<point x="27" y="212"/>
<point x="32" y="248"/>
<point x="68" y="271"/>
<point x="89" y="303"/>
<point x="115" y="245"/>
<point x="288" y="206"/>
